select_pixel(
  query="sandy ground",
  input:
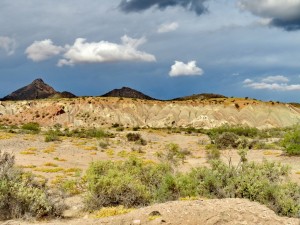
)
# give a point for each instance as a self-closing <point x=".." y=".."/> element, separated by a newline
<point x="76" y="153"/>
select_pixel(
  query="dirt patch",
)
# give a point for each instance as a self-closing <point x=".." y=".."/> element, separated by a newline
<point x="199" y="212"/>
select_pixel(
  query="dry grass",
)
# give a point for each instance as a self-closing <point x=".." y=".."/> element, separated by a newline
<point x="29" y="137"/>
<point x="59" y="159"/>
<point x="110" y="152"/>
<point x="50" y="149"/>
<point x="90" y="148"/>
<point x="50" y="164"/>
<point x="5" y="136"/>
<point x="111" y="211"/>
<point x="28" y="166"/>
<point x="49" y="170"/>
<point x="269" y="152"/>
<point x="123" y="154"/>
<point x="29" y="151"/>
<point x="73" y="170"/>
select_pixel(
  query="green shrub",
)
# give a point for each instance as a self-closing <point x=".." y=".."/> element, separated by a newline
<point x="227" y="140"/>
<point x="136" y="128"/>
<point x="72" y="187"/>
<point x="88" y="133"/>
<point x="265" y="183"/>
<point x="237" y="130"/>
<point x="131" y="183"/>
<point x="104" y="144"/>
<point x="33" y="127"/>
<point x="173" y="154"/>
<point x="212" y="152"/>
<point x="21" y="194"/>
<point x="136" y="183"/>
<point x="133" y="137"/>
<point x="120" y="129"/>
<point x="137" y="138"/>
<point x="291" y="142"/>
<point x="52" y="135"/>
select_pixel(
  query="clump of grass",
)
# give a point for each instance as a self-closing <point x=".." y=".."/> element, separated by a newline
<point x="49" y="170"/>
<point x="123" y="154"/>
<point x="188" y="198"/>
<point x="5" y="136"/>
<point x="59" y="159"/>
<point x="110" y="152"/>
<point x="29" y="151"/>
<point x="111" y="211"/>
<point x="50" y="149"/>
<point x="73" y="170"/>
<point x="28" y="166"/>
<point x="50" y="164"/>
<point x="271" y="153"/>
<point x="90" y="148"/>
<point x="150" y="218"/>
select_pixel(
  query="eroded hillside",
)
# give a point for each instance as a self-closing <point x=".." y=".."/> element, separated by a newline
<point x="99" y="111"/>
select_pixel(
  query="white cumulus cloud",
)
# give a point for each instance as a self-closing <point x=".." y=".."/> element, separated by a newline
<point x="278" y="78"/>
<point x="167" y="27"/>
<point x="278" y="83"/>
<point x="98" y="52"/>
<point x="188" y="69"/>
<point x="8" y="45"/>
<point x="43" y="50"/>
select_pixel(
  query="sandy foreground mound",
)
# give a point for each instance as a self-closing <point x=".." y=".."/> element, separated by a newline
<point x="200" y="212"/>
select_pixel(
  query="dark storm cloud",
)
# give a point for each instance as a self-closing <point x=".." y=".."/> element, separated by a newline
<point x="140" y="5"/>
<point x="281" y="13"/>
<point x="288" y="25"/>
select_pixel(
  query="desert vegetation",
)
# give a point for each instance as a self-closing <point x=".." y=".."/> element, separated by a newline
<point x="134" y="183"/>
<point x="22" y="195"/>
<point x="130" y="168"/>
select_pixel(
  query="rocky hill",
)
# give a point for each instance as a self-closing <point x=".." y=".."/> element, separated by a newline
<point x="64" y="94"/>
<point x="126" y="92"/>
<point x="99" y="112"/>
<point x="38" y="89"/>
<point x="200" y="97"/>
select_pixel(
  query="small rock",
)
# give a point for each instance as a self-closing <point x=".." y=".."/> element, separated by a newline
<point x="155" y="213"/>
<point x="136" y="222"/>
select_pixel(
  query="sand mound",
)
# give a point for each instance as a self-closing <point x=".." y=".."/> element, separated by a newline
<point x="199" y="212"/>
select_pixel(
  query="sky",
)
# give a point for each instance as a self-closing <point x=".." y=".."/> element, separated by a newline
<point x="164" y="48"/>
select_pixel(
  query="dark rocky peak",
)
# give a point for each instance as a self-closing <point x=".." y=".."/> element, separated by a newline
<point x="38" y="89"/>
<point x="126" y="92"/>
<point x="38" y="81"/>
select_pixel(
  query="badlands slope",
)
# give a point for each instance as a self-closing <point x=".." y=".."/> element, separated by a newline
<point x="100" y="111"/>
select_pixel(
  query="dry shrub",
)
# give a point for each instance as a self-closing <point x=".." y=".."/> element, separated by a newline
<point x="21" y="195"/>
